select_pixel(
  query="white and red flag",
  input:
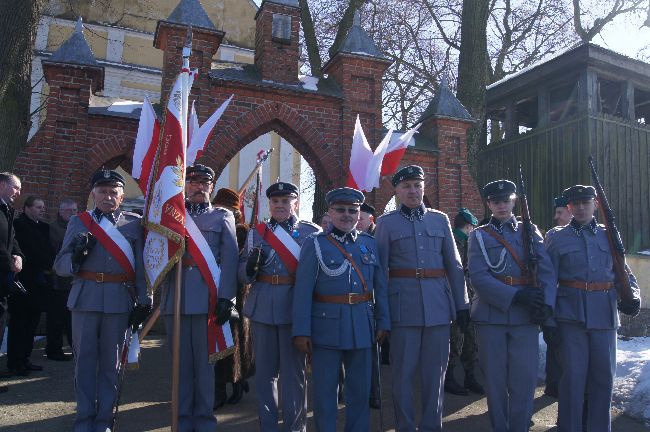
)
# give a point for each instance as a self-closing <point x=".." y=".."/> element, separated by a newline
<point x="146" y="144"/>
<point x="395" y="152"/>
<point x="199" y="136"/>
<point x="365" y="165"/>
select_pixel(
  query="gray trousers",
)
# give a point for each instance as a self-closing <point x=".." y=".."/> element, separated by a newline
<point x="326" y="364"/>
<point x="97" y="340"/>
<point x="428" y="349"/>
<point x="275" y="356"/>
<point x="508" y="356"/>
<point x="588" y="364"/>
<point x="196" y="386"/>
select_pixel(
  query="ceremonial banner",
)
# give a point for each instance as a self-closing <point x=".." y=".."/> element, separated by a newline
<point x="146" y="144"/>
<point x="365" y="165"/>
<point x="395" y="152"/>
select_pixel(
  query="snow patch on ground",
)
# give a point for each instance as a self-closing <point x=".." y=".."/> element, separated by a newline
<point x="632" y="382"/>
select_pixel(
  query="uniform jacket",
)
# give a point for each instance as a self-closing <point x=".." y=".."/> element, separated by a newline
<point x="107" y="297"/>
<point x="584" y="256"/>
<point x="426" y="243"/>
<point x="331" y="325"/>
<point x="218" y="227"/>
<point x="266" y="303"/>
<point x="57" y="234"/>
<point x="8" y="244"/>
<point x="492" y="303"/>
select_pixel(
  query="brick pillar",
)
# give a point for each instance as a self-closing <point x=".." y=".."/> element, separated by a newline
<point x="456" y="187"/>
<point x="277" y="49"/>
<point x="170" y="38"/>
<point x="360" y="79"/>
<point x="53" y="164"/>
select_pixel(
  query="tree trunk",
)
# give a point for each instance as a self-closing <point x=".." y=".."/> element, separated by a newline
<point x="18" y="24"/>
<point x="310" y="39"/>
<point x="472" y="73"/>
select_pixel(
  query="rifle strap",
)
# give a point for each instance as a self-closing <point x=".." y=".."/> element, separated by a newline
<point x="488" y="229"/>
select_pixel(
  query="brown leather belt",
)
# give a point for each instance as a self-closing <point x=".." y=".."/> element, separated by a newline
<point x="189" y="262"/>
<point x="417" y="273"/>
<point x="511" y="280"/>
<point x="276" y="279"/>
<point x="586" y="286"/>
<point x="103" y="277"/>
<point x="350" y="298"/>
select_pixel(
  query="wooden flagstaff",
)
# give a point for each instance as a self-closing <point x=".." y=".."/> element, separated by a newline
<point x="176" y="346"/>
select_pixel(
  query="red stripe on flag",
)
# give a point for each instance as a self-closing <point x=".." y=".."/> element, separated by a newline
<point x="391" y="161"/>
<point x="350" y="182"/>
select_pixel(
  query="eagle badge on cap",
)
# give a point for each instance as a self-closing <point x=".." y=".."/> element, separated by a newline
<point x="107" y="174"/>
<point x="281" y="186"/>
<point x="410" y="170"/>
<point x="500" y="185"/>
<point x="579" y="189"/>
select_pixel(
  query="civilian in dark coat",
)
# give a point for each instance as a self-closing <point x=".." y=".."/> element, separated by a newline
<point x="59" y="319"/>
<point x="11" y="258"/>
<point x="25" y="310"/>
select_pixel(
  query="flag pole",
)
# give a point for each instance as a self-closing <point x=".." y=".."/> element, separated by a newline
<point x="259" y="163"/>
<point x="187" y="51"/>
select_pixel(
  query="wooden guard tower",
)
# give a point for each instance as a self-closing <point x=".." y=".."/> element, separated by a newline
<point x="551" y="116"/>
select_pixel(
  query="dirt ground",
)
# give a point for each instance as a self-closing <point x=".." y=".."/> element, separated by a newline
<point x="44" y="401"/>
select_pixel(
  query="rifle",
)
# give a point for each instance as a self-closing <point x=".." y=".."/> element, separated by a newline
<point x="377" y="361"/>
<point x="120" y="377"/>
<point x="532" y="260"/>
<point x="616" y="247"/>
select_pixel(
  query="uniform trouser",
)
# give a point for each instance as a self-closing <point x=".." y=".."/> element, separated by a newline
<point x="24" y="315"/>
<point x="276" y="356"/>
<point x="325" y="375"/>
<point x="552" y="367"/>
<point x="462" y="349"/>
<point x="196" y="380"/>
<point x="375" y="373"/>
<point x="508" y="356"/>
<point x="58" y="321"/>
<point x="588" y="364"/>
<point x="97" y="340"/>
<point x="428" y="348"/>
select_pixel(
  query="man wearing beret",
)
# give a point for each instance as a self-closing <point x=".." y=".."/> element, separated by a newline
<point x="507" y="308"/>
<point x="217" y="226"/>
<point x="367" y="219"/>
<point x="462" y="344"/>
<point x="586" y="313"/>
<point x="269" y="262"/>
<point x="426" y="292"/>
<point x="334" y="321"/>
<point x="102" y="251"/>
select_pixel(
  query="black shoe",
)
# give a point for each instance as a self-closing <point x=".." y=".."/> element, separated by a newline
<point x="4" y="389"/>
<point x="472" y="385"/>
<point x="6" y="374"/>
<point x="32" y="367"/>
<point x="237" y="393"/>
<point x="451" y="386"/>
<point x="19" y="371"/>
<point x="375" y="403"/>
<point x="59" y="356"/>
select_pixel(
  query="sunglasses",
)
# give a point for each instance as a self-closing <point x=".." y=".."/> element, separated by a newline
<point x="341" y="210"/>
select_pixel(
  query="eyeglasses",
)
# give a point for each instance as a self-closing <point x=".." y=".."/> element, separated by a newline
<point x="341" y="210"/>
<point x="200" y="182"/>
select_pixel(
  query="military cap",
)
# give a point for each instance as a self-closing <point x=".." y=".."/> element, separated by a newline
<point x="367" y="208"/>
<point x="346" y="195"/>
<point x="468" y="216"/>
<point x="107" y="177"/>
<point x="560" y="202"/>
<point x="281" y="189"/>
<point x="410" y="172"/>
<point x="199" y="170"/>
<point x="227" y="198"/>
<point x="579" y="192"/>
<point x="499" y="189"/>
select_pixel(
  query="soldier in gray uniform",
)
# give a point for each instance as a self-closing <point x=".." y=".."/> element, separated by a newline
<point x="104" y="299"/>
<point x="269" y="308"/>
<point x="586" y="313"/>
<point x="196" y="393"/>
<point x="334" y="320"/>
<point x="426" y="292"/>
<point x="507" y="310"/>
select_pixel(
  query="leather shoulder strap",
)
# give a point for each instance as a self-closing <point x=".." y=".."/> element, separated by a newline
<point x="488" y="229"/>
<point x="351" y="260"/>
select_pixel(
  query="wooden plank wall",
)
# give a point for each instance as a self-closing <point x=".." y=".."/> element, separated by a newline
<point x="555" y="158"/>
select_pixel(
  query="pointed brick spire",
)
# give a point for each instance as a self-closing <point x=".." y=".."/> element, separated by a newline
<point x="75" y="50"/>
<point x="445" y="104"/>
<point x="191" y="13"/>
<point x="358" y="42"/>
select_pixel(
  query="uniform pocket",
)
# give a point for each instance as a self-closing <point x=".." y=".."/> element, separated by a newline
<point x="435" y="237"/>
<point x="325" y="322"/>
<point x="402" y="241"/>
<point x="605" y="255"/>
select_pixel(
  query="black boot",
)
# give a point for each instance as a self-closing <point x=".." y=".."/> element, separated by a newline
<point x="472" y="385"/>
<point x="238" y="390"/>
<point x="452" y="386"/>
<point x="220" y="396"/>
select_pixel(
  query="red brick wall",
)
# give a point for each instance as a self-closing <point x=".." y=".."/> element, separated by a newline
<point x="277" y="61"/>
